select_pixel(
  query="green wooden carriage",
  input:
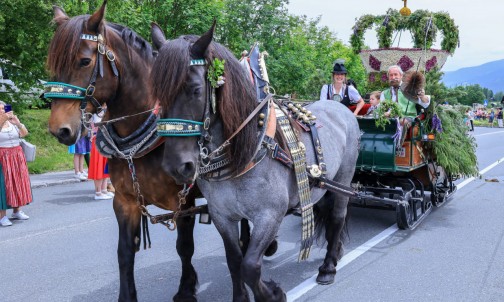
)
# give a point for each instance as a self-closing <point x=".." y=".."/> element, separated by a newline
<point x="397" y="178"/>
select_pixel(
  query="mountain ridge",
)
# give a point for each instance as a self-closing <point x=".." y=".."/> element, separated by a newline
<point x="488" y="75"/>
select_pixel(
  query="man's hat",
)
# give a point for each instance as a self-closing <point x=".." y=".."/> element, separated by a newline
<point x="339" y="67"/>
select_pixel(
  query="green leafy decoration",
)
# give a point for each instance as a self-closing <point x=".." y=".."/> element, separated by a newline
<point x="357" y="39"/>
<point x="386" y="106"/>
<point x="216" y="73"/>
<point x="453" y="149"/>
<point x="415" y="23"/>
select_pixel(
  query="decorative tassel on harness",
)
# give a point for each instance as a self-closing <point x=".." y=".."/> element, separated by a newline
<point x="298" y="153"/>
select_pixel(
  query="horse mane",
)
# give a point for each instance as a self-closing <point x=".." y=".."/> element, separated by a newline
<point x="236" y="99"/>
<point x="132" y="39"/>
<point x="66" y="42"/>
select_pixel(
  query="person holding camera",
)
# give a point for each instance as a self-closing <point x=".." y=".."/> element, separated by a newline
<point x="15" y="188"/>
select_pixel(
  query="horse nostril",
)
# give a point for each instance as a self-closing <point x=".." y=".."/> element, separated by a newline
<point x="187" y="170"/>
<point x="64" y="133"/>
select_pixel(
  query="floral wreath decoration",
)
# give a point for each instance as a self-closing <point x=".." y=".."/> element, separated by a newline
<point x="215" y="74"/>
<point x="422" y="24"/>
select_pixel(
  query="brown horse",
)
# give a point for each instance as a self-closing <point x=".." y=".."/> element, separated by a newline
<point x="109" y="63"/>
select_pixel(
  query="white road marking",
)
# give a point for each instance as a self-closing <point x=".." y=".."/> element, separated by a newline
<point x="55" y="230"/>
<point x="310" y="283"/>
<point x="489" y="133"/>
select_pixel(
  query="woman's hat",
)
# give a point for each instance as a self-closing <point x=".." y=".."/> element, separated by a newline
<point x="339" y="67"/>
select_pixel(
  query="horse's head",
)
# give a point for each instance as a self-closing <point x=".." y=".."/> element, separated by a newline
<point x="84" y="73"/>
<point x="198" y="114"/>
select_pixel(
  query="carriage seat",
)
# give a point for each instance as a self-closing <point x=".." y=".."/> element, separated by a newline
<point x="363" y="110"/>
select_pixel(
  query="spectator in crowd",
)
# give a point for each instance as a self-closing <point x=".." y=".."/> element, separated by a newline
<point x="15" y="188"/>
<point x="499" y="117"/>
<point x="79" y="150"/>
<point x="97" y="164"/>
<point x="470" y="118"/>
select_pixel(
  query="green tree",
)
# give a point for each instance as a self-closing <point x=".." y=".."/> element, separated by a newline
<point x="24" y="25"/>
<point x="473" y="94"/>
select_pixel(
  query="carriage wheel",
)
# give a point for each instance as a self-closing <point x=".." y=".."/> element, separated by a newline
<point x="405" y="213"/>
<point x="441" y="184"/>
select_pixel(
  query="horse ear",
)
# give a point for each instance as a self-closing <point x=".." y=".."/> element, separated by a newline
<point x="95" y="22"/>
<point x="158" y="37"/>
<point x="199" y="47"/>
<point x="59" y="15"/>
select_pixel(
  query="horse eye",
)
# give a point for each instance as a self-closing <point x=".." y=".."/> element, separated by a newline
<point x="85" y="62"/>
<point x="197" y="91"/>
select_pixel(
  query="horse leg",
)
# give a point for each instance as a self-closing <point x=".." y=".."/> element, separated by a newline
<point x="263" y="236"/>
<point x="128" y="220"/>
<point x="185" y="249"/>
<point x="333" y="230"/>
<point x="245" y="239"/>
<point x="244" y="235"/>
<point x="230" y="235"/>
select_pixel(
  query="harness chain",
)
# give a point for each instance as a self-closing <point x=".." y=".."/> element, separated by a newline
<point x="170" y="224"/>
<point x="298" y="153"/>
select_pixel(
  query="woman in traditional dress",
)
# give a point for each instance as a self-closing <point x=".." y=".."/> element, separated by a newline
<point x="15" y="184"/>
<point x="97" y="163"/>
<point x="340" y="90"/>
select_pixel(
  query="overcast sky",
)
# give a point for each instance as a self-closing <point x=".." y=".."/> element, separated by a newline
<point x="481" y="24"/>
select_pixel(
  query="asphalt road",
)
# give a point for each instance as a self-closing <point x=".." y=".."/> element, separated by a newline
<point x="66" y="251"/>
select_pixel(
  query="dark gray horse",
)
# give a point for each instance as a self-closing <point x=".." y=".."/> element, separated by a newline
<point x="265" y="193"/>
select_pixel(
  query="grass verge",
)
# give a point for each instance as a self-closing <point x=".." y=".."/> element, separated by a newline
<point x="51" y="155"/>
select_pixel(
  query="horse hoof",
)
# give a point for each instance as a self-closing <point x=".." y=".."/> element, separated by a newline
<point x="272" y="248"/>
<point x="276" y="293"/>
<point x="325" y="278"/>
<point x="180" y="298"/>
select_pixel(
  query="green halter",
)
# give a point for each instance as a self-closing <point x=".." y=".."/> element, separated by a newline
<point x="180" y="127"/>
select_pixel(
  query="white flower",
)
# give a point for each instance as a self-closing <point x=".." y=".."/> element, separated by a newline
<point x="220" y="81"/>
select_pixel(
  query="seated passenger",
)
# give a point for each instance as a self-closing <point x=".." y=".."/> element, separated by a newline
<point x="374" y="100"/>
<point x="400" y="93"/>
<point x="340" y="91"/>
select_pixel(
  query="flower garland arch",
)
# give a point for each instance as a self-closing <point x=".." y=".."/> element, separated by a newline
<point x="386" y="25"/>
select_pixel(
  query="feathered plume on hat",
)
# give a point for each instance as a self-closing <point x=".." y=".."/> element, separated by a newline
<point x="413" y="82"/>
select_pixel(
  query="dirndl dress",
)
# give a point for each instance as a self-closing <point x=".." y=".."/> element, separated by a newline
<point x="3" y="198"/>
<point x="97" y="163"/>
<point x="83" y="146"/>
<point x="16" y="177"/>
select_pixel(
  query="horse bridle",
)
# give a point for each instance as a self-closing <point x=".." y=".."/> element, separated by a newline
<point x="170" y="127"/>
<point x="67" y="91"/>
